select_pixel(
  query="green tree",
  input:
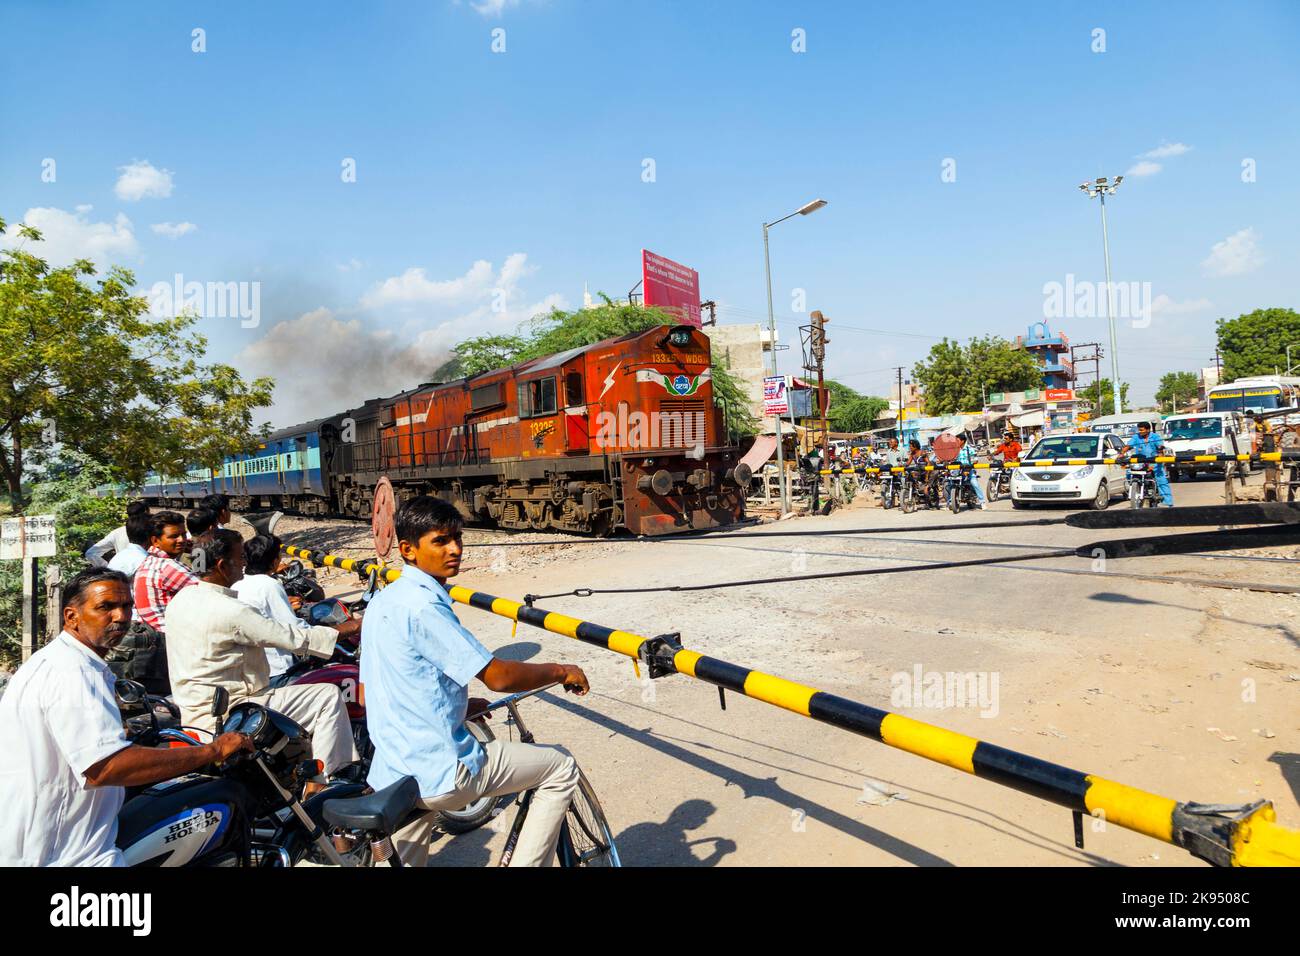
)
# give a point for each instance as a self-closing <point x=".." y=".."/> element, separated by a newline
<point x="1102" y="398"/>
<point x="81" y="518"/>
<point x="850" y="411"/>
<point x="83" y="365"/>
<point x="1177" y="388"/>
<point x="952" y="374"/>
<point x="559" y="331"/>
<point x="1255" y="343"/>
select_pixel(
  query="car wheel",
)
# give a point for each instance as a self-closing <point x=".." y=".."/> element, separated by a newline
<point x="1101" y="500"/>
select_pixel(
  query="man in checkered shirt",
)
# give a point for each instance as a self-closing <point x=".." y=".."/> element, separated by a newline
<point x="142" y="654"/>
<point x="161" y="575"/>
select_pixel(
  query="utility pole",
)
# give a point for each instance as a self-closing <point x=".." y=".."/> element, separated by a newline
<point x="1101" y="188"/>
<point x="803" y="210"/>
<point x="713" y="312"/>
<point x="898" y="419"/>
<point x="818" y="343"/>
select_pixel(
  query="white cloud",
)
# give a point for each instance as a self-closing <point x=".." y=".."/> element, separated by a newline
<point x="1144" y="168"/>
<point x="142" y="180"/>
<point x="72" y="235"/>
<point x="414" y="288"/>
<point x="357" y="355"/>
<point x="173" y="230"/>
<point x="492" y="8"/>
<point x="1165" y="150"/>
<point x="1234" y="256"/>
<point x="1163" y="305"/>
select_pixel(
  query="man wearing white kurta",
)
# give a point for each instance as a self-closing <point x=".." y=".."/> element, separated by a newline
<point x="216" y="640"/>
<point x="64" y="760"/>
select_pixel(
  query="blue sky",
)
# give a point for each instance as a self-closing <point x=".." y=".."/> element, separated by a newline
<point x="491" y="184"/>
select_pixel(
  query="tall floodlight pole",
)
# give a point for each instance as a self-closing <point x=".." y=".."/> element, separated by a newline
<point x="771" y="332"/>
<point x="1101" y="188"/>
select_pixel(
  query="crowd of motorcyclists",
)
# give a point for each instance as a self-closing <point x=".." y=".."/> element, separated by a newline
<point x="919" y="476"/>
<point x="195" y="611"/>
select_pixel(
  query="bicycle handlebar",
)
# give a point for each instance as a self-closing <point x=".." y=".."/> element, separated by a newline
<point x="516" y="698"/>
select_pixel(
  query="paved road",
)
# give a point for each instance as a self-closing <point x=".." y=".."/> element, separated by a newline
<point x="1185" y="690"/>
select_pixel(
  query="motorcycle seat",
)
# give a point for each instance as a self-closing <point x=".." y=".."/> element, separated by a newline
<point x="384" y="810"/>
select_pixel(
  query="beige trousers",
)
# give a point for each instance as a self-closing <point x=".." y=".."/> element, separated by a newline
<point x="318" y="708"/>
<point x="509" y="768"/>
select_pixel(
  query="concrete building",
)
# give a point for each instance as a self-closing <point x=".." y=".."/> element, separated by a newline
<point x="745" y="351"/>
<point x="1052" y="353"/>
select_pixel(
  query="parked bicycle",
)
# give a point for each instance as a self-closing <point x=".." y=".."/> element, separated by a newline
<point x="585" y="835"/>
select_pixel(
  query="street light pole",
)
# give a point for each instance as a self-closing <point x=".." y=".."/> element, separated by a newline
<point x="1101" y="188"/>
<point x="771" y="332"/>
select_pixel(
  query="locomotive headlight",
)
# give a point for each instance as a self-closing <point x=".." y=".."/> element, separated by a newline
<point x="679" y="336"/>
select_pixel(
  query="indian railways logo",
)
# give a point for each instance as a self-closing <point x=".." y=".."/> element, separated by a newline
<point x="679" y="384"/>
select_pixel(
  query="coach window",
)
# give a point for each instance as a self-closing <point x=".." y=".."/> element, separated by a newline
<point x="537" y="397"/>
<point x="573" y="389"/>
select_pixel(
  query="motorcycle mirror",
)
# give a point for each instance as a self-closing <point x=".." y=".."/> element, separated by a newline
<point x="370" y="588"/>
<point x="220" y="701"/>
<point x="128" y="692"/>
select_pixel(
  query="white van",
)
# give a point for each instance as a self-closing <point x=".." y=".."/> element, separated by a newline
<point x="1205" y="433"/>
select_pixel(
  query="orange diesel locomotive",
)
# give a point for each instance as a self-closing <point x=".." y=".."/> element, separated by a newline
<point x="623" y="433"/>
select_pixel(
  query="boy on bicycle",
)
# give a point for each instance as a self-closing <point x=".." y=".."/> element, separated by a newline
<point x="416" y="670"/>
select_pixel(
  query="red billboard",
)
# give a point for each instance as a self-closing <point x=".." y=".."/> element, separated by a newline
<point x="1059" y="394"/>
<point x="671" y="286"/>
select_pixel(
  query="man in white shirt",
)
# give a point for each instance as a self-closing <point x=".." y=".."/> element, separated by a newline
<point x="116" y="540"/>
<point x="216" y="640"/>
<point x="64" y="760"/>
<point x="258" y="589"/>
<point x="139" y="528"/>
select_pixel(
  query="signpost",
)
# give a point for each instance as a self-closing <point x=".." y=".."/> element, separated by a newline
<point x="28" y="538"/>
<point x="671" y="286"/>
<point x="776" y="395"/>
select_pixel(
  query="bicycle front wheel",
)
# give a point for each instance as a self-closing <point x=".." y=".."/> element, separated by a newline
<point x="585" y="837"/>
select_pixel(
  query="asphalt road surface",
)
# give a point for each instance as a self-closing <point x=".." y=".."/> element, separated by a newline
<point x="1183" y="689"/>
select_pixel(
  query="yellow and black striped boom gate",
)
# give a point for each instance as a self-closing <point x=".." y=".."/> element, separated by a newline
<point x="1221" y="834"/>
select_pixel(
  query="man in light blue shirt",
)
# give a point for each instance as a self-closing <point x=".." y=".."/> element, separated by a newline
<point x="1147" y="444"/>
<point x="416" y="666"/>
<point x="966" y="457"/>
<point x="139" y="528"/>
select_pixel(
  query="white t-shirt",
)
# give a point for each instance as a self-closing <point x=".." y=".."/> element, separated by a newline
<point x="115" y="540"/>
<point x="58" y="718"/>
<point x="268" y="596"/>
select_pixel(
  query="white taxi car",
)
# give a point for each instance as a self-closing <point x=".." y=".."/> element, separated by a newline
<point x="1090" y="485"/>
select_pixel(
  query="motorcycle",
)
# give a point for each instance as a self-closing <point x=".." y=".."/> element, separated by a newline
<point x="300" y="582"/>
<point x="247" y="812"/>
<point x="999" y="484"/>
<point x="958" y="490"/>
<point x="343" y="670"/>
<point x="888" y="487"/>
<point x="1140" y="481"/>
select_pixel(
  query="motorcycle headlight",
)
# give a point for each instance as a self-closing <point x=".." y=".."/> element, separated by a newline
<point x="1083" y="472"/>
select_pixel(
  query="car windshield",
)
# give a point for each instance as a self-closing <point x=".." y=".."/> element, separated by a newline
<point x="1066" y="446"/>
<point x="1193" y="428"/>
